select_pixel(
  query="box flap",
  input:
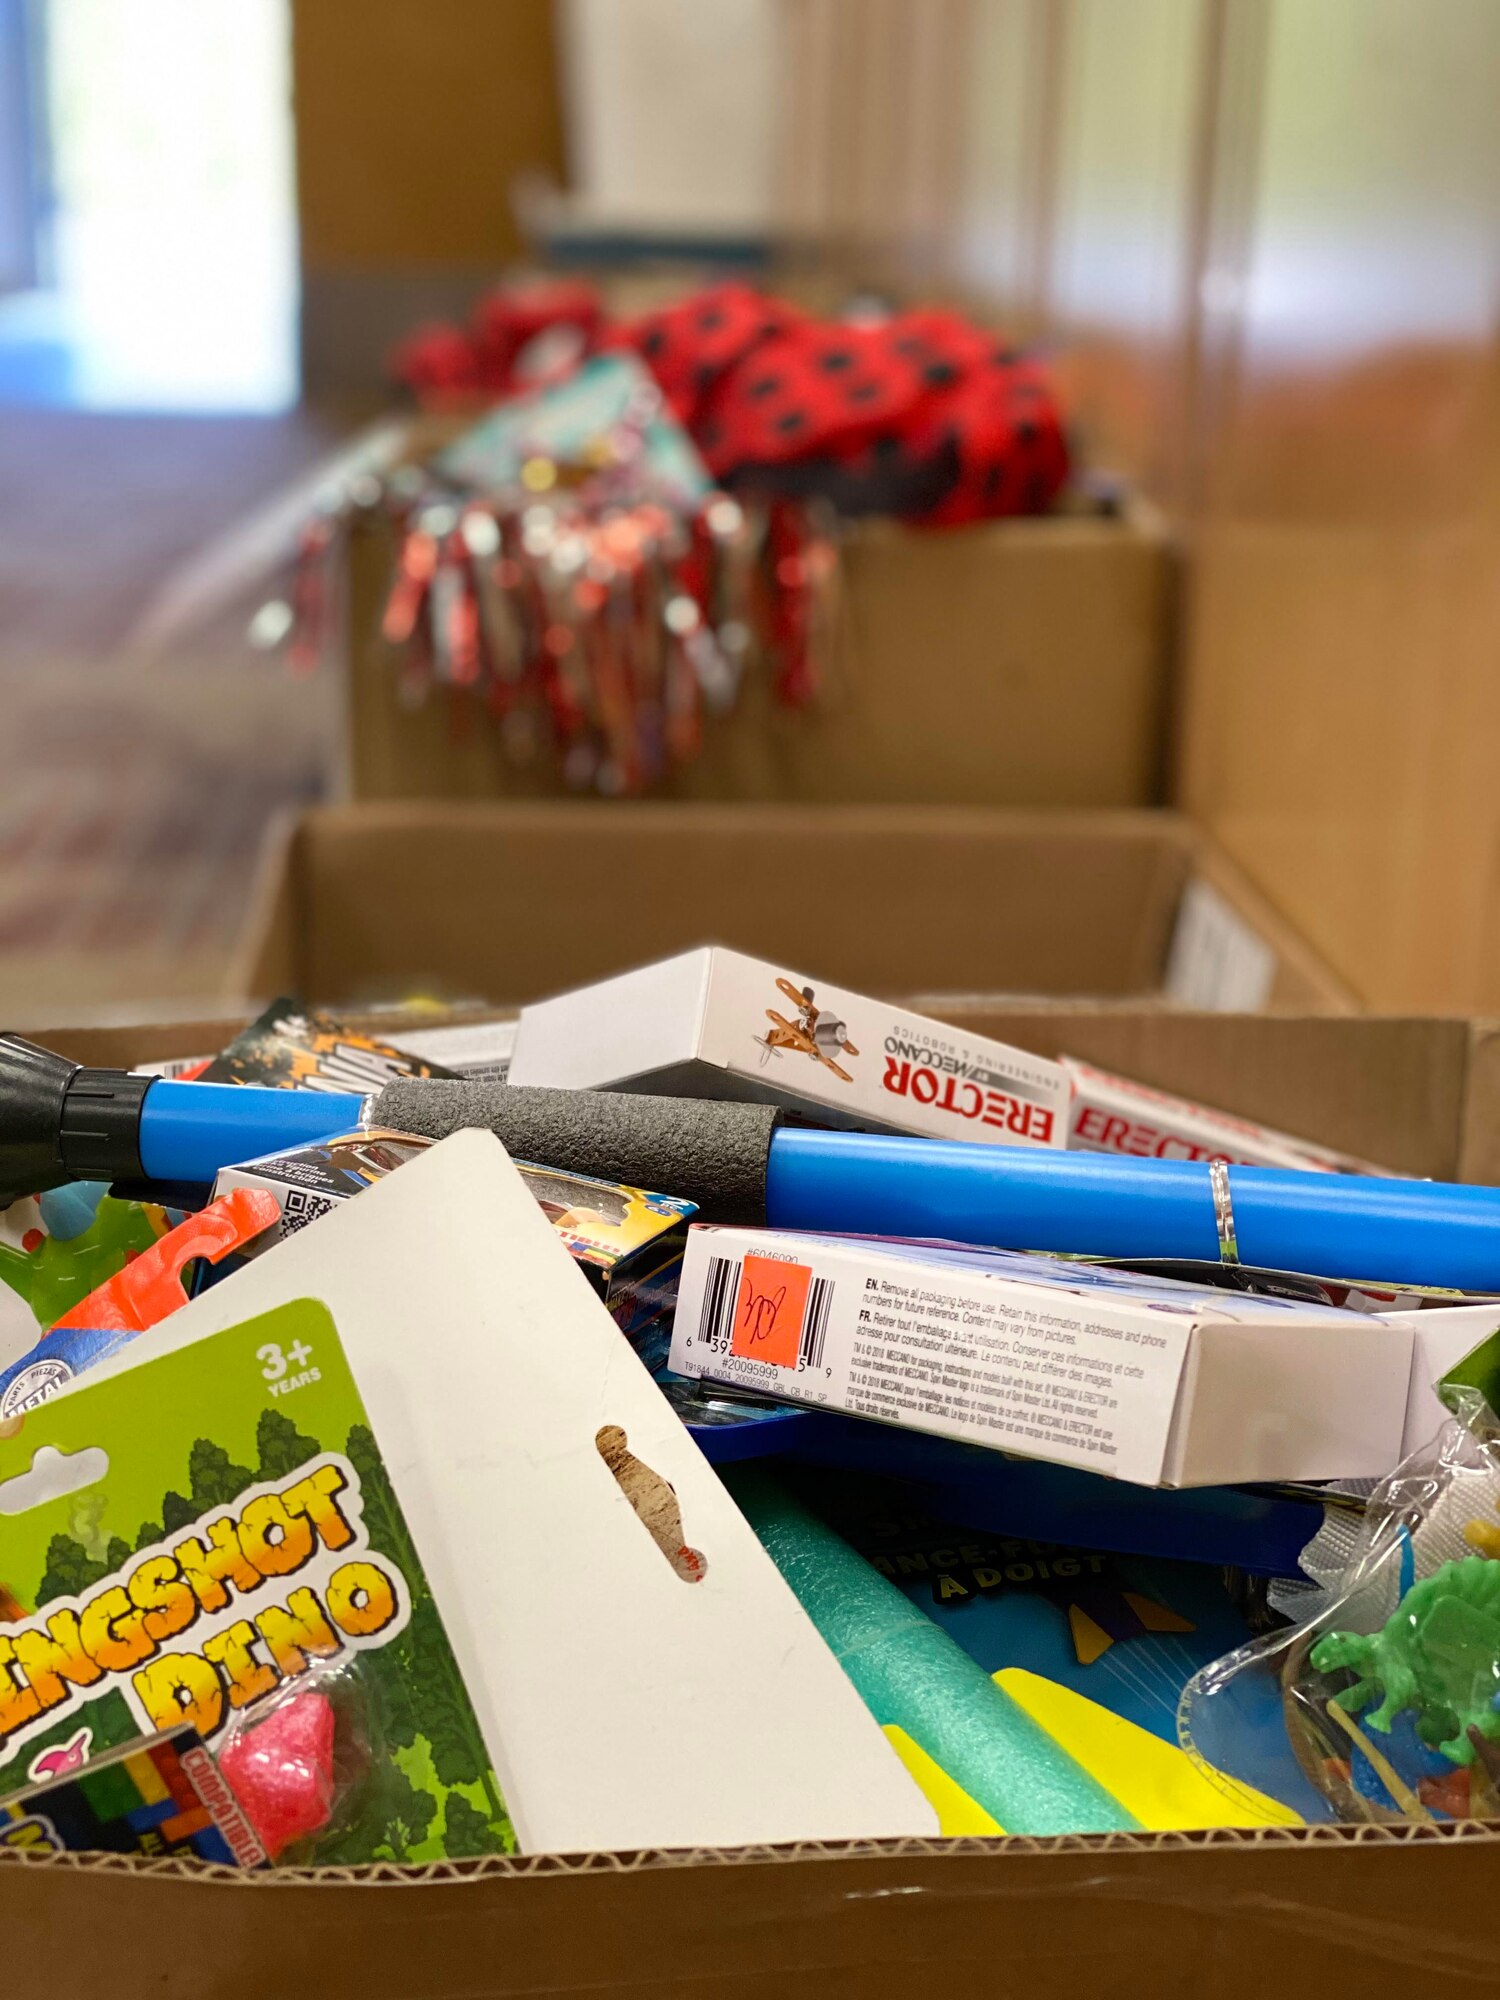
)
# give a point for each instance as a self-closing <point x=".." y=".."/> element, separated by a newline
<point x="880" y="899"/>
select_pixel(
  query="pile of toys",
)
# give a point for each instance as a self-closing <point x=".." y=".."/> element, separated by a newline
<point x="648" y="509"/>
<point x="403" y="1442"/>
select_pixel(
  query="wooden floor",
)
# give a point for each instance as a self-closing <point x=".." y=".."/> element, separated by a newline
<point x="134" y="792"/>
<point x="96" y="510"/>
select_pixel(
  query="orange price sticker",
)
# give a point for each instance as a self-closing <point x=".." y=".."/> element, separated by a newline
<point x="769" y="1311"/>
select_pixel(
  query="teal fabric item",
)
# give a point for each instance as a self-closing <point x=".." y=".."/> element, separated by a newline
<point x="911" y="1674"/>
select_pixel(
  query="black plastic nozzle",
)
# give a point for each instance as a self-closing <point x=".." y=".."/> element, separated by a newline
<point x="61" y="1122"/>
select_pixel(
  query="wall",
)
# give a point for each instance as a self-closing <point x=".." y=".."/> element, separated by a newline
<point x="869" y="146"/>
<point x="412" y="123"/>
<point x="672" y="110"/>
<point x="1344" y="627"/>
<point x="1265" y="238"/>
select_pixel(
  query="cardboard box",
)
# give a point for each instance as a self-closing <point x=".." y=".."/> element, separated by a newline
<point x="1115" y="1114"/>
<point x="1044" y="645"/>
<point x="1050" y="1918"/>
<point x="974" y="1919"/>
<point x="1421" y="1095"/>
<point x="699" y="1025"/>
<point x="516" y="902"/>
<point x="1140" y="1379"/>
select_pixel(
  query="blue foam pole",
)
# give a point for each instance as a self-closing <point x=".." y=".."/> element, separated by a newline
<point x="189" y="1130"/>
<point x="1033" y="1198"/>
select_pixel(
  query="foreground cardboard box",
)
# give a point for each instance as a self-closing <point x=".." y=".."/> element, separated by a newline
<point x="1373" y="1910"/>
<point x="514" y="902"/>
<point x="1382" y="1912"/>
<point x="1421" y="1095"/>
<point x="1043" y="650"/>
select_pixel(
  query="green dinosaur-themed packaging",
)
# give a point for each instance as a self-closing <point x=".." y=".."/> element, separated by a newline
<point x="181" y="1539"/>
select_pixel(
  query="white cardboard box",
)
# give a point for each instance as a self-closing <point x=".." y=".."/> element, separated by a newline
<point x="479" y="1050"/>
<point x="714" y="1023"/>
<point x="1142" y="1379"/>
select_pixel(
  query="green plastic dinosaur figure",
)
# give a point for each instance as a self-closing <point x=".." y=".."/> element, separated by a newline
<point x="61" y="1270"/>
<point x="1437" y="1655"/>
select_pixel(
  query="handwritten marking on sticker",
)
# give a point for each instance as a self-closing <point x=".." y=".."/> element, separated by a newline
<point x="769" y="1311"/>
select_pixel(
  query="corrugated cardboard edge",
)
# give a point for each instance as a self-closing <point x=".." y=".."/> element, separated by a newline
<point x="1338" y="1910"/>
<point x="516" y="1867"/>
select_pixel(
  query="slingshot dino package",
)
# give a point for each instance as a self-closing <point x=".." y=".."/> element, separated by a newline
<point x="213" y="1540"/>
<point x="1389" y="1696"/>
<point x="714" y="1023"/>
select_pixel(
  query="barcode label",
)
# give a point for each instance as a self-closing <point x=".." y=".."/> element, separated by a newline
<point x="765" y="1310"/>
<point x="716" y="1325"/>
<point x="815" y="1323"/>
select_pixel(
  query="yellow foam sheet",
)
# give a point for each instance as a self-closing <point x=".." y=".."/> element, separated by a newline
<point x="1157" y="1783"/>
<point x="957" y="1812"/>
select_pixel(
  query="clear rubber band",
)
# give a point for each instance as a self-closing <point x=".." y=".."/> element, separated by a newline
<point x="1218" y="1180"/>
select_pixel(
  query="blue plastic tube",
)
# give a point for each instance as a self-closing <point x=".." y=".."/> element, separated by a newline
<point x="1032" y="1198"/>
<point x="189" y="1130"/>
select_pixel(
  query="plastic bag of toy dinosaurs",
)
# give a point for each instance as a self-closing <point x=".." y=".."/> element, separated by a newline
<point x="1385" y="1705"/>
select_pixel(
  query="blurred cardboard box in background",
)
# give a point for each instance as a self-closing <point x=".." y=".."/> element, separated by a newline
<point x="1021" y="662"/>
<point x="509" y="903"/>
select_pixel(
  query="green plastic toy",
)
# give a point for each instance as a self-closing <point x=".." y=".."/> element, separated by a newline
<point x="90" y="1236"/>
<point x="1437" y="1656"/>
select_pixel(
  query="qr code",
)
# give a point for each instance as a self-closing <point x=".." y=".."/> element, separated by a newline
<point x="300" y="1208"/>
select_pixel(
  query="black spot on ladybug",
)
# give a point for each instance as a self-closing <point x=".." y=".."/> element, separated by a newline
<point x="1005" y="357"/>
<point x="765" y="385"/>
<point x="711" y="434"/>
<point x="836" y="360"/>
<point x="1026" y="431"/>
<point x="913" y="346"/>
<point x="711" y="318"/>
<point x="654" y="343"/>
<point x="863" y="392"/>
<point x="994" y="479"/>
<point x="790" y="421"/>
<point x="939" y="374"/>
<point x="704" y="377"/>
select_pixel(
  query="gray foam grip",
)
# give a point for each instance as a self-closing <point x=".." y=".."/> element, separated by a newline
<point x="711" y="1153"/>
